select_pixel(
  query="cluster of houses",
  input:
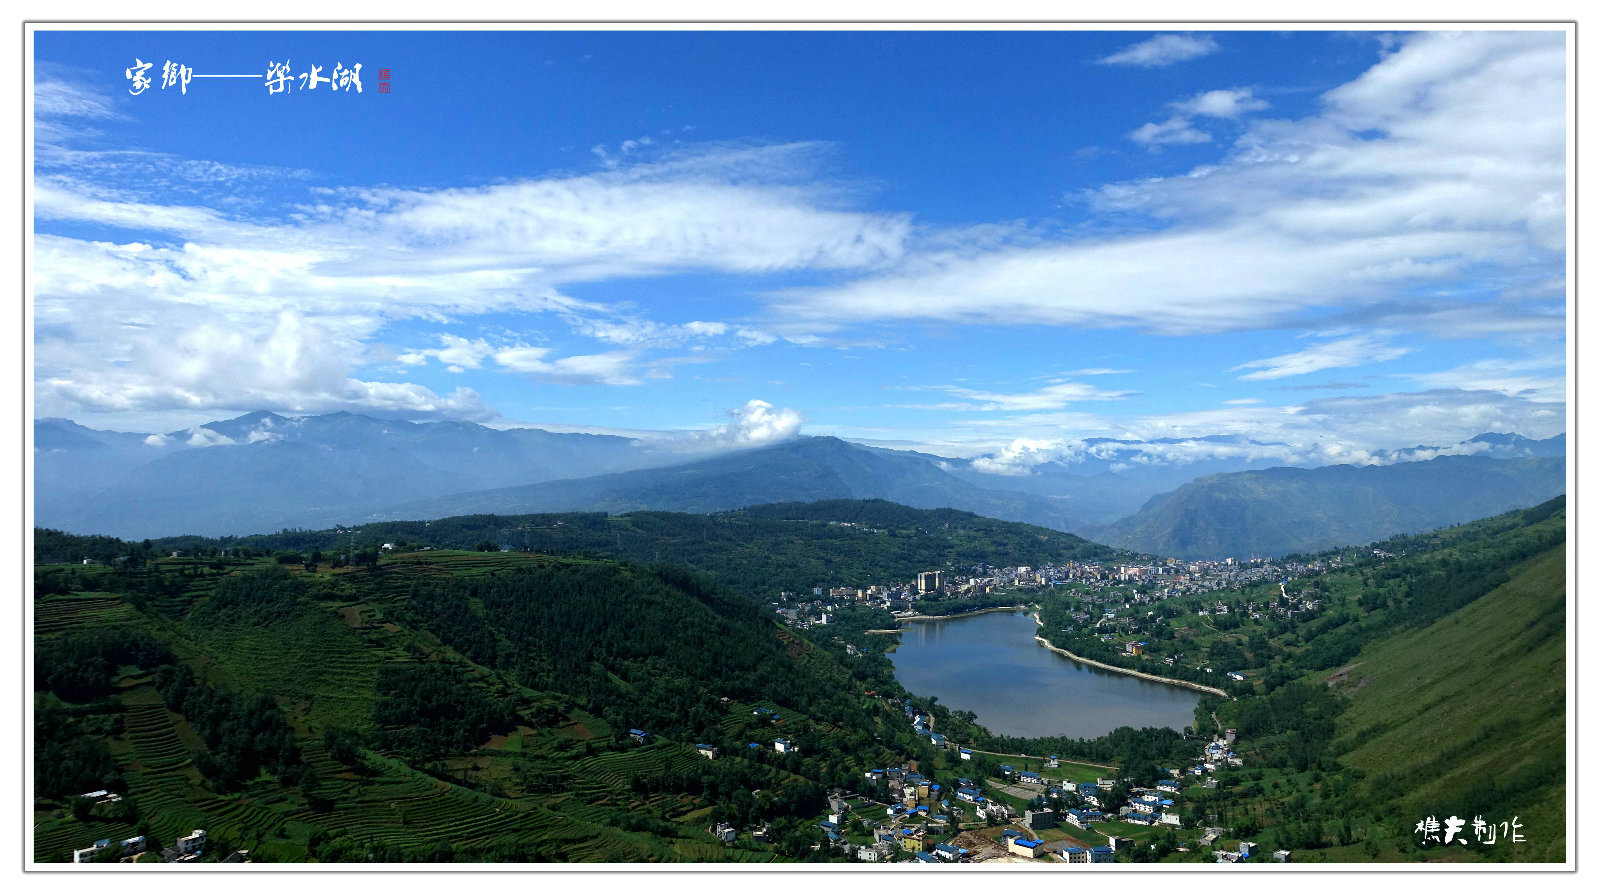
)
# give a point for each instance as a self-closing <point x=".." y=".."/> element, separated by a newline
<point x="188" y="848"/>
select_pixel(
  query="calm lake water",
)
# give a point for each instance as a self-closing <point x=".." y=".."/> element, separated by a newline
<point x="990" y="664"/>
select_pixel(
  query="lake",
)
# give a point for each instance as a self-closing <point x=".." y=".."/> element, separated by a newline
<point x="990" y="664"/>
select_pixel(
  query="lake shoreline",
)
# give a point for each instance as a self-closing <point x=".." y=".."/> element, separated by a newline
<point x="1017" y="608"/>
<point x="1182" y="683"/>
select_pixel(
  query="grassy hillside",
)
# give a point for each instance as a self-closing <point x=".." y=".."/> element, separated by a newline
<point x="1434" y="684"/>
<point x="1466" y="716"/>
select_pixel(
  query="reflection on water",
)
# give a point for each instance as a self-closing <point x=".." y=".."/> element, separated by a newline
<point x="990" y="664"/>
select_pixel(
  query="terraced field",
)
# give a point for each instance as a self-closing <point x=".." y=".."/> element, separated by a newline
<point x="58" y="613"/>
<point x="316" y="646"/>
<point x="315" y="662"/>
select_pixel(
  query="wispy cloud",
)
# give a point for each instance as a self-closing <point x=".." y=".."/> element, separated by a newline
<point x="1221" y="103"/>
<point x="1163" y="50"/>
<point x="1357" y="350"/>
<point x="1446" y="158"/>
<point x="1172" y="130"/>
<point x="1056" y="395"/>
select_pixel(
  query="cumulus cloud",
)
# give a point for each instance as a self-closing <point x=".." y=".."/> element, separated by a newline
<point x="1357" y="350"/>
<point x="1163" y="50"/>
<point x="205" y="437"/>
<point x="213" y="360"/>
<point x="756" y="423"/>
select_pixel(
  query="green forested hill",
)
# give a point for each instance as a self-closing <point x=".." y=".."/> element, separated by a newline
<point x="439" y="706"/>
<point x="759" y="551"/>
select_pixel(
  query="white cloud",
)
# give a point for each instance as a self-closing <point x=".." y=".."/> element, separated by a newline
<point x="755" y="423"/>
<point x="1509" y="377"/>
<point x="1221" y="103"/>
<point x="457" y="352"/>
<point x="1446" y="158"/>
<point x="611" y="368"/>
<point x="205" y="437"/>
<point x="1173" y="130"/>
<point x="54" y="97"/>
<point x="210" y="359"/>
<point x="1053" y="396"/>
<point x="222" y="284"/>
<point x="1162" y="50"/>
<point x="1357" y="350"/>
<point x="1377" y="429"/>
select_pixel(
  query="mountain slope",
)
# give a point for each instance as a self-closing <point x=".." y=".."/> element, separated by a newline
<point x="442" y="706"/>
<point x="263" y="471"/>
<point x="804" y="470"/>
<point x="1280" y="511"/>
<point x="1467" y="716"/>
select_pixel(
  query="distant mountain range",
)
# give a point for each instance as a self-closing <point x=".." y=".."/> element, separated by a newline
<point x="1278" y="511"/>
<point x="802" y="470"/>
<point x="261" y="472"/>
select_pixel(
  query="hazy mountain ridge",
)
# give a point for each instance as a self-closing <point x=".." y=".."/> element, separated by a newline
<point x="262" y="471"/>
<point x="1279" y="511"/>
<point x="803" y="470"/>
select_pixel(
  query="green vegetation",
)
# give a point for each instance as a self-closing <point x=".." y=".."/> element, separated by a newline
<point x="369" y="713"/>
<point x="758" y="551"/>
<point x="1442" y="697"/>
<point x="459" y="705"/>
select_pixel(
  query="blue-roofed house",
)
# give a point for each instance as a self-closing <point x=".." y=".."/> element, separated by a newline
<point x="638" y="735"/>
<point x="923" y="858"/>
<point x="966" y="754"/>
<point x="706" y="751"/>
<point x="1102" y="854"/>
<point x="1020" y="846"/>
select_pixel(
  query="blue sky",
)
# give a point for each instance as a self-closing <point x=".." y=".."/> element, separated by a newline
<point x="997" y="245"/>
